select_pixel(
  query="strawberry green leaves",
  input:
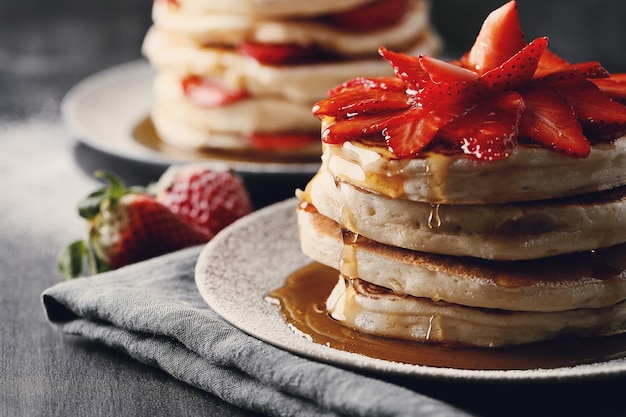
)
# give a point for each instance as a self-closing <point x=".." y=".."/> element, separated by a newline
<point x="501" y="93"/>
<point x="71" y="259"/>
<point x="89" y="207"/>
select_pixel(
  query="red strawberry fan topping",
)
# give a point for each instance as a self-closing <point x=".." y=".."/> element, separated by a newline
<point x="501" y="93"/>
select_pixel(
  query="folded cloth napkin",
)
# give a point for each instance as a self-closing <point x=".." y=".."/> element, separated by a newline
<point x="153" y="312"/>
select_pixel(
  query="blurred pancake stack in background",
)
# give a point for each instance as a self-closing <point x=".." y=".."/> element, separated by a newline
<point x="242" y="76"/>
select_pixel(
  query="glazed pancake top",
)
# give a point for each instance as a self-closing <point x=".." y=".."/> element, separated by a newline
<point x="528" y="174"/>
<point x="594" y="279"/>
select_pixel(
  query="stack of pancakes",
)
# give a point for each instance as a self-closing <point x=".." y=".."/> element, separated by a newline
<point x="204" y="42"/>
<point x="450" y="250"/>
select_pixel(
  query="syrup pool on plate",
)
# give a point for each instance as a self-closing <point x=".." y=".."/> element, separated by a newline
<point x="302" y="302"/>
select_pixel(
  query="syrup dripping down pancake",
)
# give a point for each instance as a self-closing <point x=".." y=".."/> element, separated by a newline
<point x="512" y="231"/>
<point x="592" y="279"/>
<point x="398" y="293"/>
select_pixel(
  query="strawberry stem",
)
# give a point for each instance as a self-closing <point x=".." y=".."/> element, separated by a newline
<point x="111" y="192"/>
<point x="73" y="258"/>
<point x="117" y="187"/>
<point x="70" y="259"/>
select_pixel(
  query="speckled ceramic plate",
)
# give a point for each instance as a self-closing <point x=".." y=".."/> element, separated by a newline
<point x="254" y="256"/>
<point x="109" y="111"/>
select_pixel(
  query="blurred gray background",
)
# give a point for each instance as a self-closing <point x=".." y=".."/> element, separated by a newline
<point x="46" y="46"/>
<point x="579" y="30"/>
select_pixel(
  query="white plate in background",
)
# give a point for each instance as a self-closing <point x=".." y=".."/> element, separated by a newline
<point x="109" y="111"/>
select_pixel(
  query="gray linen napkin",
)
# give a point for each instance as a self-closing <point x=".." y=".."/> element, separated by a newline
<point x="153" y="312"/>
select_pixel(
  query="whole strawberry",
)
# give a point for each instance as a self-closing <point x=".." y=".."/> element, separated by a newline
<point x="208" y="198"/>
<point x="125" y="226"/>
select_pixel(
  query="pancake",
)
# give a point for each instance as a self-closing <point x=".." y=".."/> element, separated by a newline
<point x="511" y="231"/>
<point x="270" y="8"/>
<point x="528" y="174"/>
<point x="246" y="115"/>
<point x="229" y="28"/>
<point x="280" y="98"/>
<point x="593" y="279"/>
<point x="178" y="132"/>
<point x="373" y="310"/>
<point x="304" y="84"/>
<point x="258" y="92"/>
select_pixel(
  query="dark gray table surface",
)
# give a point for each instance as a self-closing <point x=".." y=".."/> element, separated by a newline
<point x="48" y="46"/>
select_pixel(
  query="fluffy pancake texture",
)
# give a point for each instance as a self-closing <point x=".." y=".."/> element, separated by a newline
<point x="511" y="231"/>
<point x="479" y="274"/>
<point x="593" y="279"/>
<point x="203" y="39"/>
<point x="375" y="311"/>
<point x="530" y="173"/>
<point x="413" y="295"/>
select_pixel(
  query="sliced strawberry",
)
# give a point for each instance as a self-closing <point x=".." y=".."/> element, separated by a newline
<point x="614" y="86"/>
<point x="408" y="133"/>
<point x="447" y="83"/>
<point x="278" y="141"/>
<point x="445" y="72"/>
<point x="474" y="104"/>
<point x="601" y="117"/>
<point x="367" y="128"/>
<point x="549" y="62"/>
<point x="371" y="16"/>
<point x="208" y="93"/>
<point x="500" y="37"/>
<point x="360" y="100"/>
<point x="489" y="130"/>
<point x="591" y="69"/>
<point x="206" y="198"/>
<point x="517" y="70"/>
<point x="276" y="54"/>
<point x="549" y="120"/>
<point x="407" y="68"/>
<point x="379" y="83"/>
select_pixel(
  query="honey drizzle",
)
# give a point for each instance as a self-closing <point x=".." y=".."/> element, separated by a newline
<point x="437" y="166"/>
